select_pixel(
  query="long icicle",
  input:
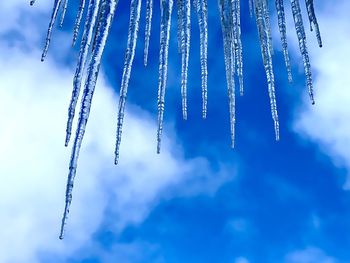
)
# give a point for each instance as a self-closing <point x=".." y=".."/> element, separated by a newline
<point x="94" y="38"/>
<point x="185" y="51"/>
<point x="166" y="7"/>
<point x="250" y="8"/>
<point x="266" y="14"/>
<point x="283" y="32"/>
<point x="299" y="27"/>
<point x="201" y="7"/>
<point x="90" y="23"/>
<point x="149" y="14"/>
<point x="64" y="11"/>
<point x="78" y="21"/>
<point x="227" y="19"/>
<point x="313" y="20"/>
<point x="135" y="10"/>
<point x="92" y="74"/>
<point x="239" y="46"/>
<point x="179" y="7"/>
<point x="267" y="60"/>
<point x="55" y="9"/>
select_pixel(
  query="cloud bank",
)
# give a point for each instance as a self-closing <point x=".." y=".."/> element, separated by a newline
<point x="327" y="123"/>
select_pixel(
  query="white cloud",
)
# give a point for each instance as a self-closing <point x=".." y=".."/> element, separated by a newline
<point x="241" y="260"/>
<point x="309" y="255"/>
<point x="327" y="123"/>
<point x="34" y="164"/>
<point x="136" y="251"/>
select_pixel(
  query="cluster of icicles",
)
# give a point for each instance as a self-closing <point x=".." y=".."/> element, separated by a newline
<point x="98" y="21"/>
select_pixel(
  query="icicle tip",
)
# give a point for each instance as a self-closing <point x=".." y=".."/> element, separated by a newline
<point x="204" y="115"/>
<point x="66" y="142"/>
<point x="63" y="224"/>
<point x="277" y="131"/>
<point x="43" y="56"/>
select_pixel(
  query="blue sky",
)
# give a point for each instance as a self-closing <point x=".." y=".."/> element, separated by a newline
<point x="199" y="200"/>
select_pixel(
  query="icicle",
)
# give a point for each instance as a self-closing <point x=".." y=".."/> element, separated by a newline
<point x="238" y="43"/>
<point x="201" y="7"/>
<point x="166" y="7"/>
<point x="64" y="10"/>
<point x="266" y="14"/>
<point x="32" y="2"/>
<point x="227" y="18"/>
<point x="283" y="33"/>
<point x="251" y="8"/>
<point x="84" y="49"/>
<point x="185" y="35"/>
<point x="313" y="20"/>
<point x="135" y="10"/>
<point x="149" y="14"/>
<point x="267" y="59"/>
<point x="179" y="7"/>
<point x="78" y="21"/>
<point x="56" y="7"/>
<point x="95" y="32"/>
<point x="299" y="26"/>
<point x="92" y="74"/>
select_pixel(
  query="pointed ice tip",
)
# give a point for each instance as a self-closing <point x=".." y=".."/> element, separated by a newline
<point x="61" y="237"/>
<point x="312" y="100"/>
<point x="42" y="59"/>
<point x="277" y="135"/>
<point x="66" y="142"/>
<point x="116" y="157"/>
<point x="74" y="40"/>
